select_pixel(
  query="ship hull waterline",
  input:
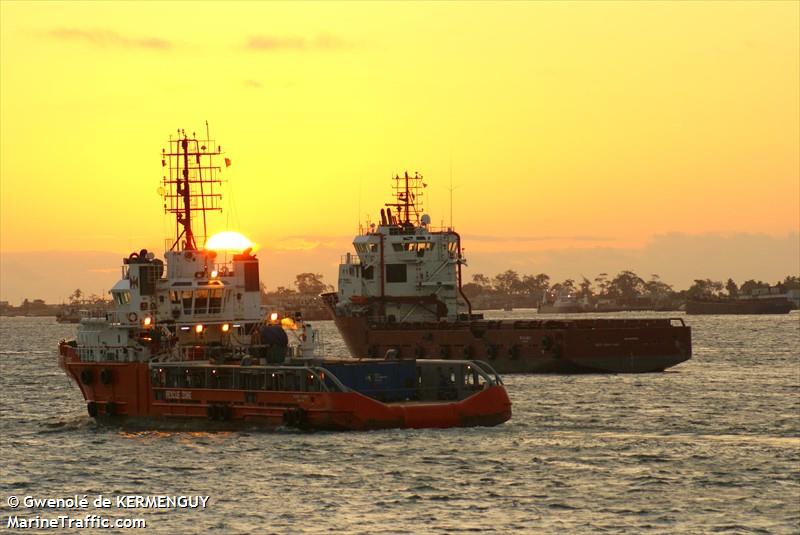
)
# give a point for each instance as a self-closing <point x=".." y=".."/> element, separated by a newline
<point x="535" y="346"/>
<point x="124" y="397"/>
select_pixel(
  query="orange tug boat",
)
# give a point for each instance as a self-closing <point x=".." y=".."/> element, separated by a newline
<point x="187" y="345"/>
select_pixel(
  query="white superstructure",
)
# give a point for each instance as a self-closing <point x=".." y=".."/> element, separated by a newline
<point x="195" y="299"/>
<point x="403" y="270"/>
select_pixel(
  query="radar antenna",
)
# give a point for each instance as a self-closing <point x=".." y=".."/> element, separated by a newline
<point x="408" y="198"/>
<point x="189" y="187"/>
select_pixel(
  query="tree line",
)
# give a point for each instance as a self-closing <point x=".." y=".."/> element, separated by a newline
<point x="305" y="284"/>
<point x="624" y="288"/>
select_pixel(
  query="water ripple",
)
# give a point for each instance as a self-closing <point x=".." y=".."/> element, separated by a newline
<point x="711" y="446"/>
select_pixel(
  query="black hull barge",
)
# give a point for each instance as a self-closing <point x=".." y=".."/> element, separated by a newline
<point x="529" y="346"/>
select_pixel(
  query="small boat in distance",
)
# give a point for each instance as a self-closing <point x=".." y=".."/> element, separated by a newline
<point x="73" y="312"/>
<point x="187" y="346"/>
<point x="564" y="303"/>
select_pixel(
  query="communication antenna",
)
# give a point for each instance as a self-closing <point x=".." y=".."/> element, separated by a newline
<point x="190" y="186"/>
<point x="451" y="189"/>
<point x="408" y="193"/>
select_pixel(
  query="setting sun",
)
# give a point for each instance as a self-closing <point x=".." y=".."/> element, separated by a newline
<point x="228" y="241"/>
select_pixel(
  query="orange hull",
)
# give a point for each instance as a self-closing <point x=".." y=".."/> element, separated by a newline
<point x="120" y="392"/>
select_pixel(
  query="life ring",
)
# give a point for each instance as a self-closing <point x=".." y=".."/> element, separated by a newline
<point x="132" y="317"/>
<point x="86" y="376"/>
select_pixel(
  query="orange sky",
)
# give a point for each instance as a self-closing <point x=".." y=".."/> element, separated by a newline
<point x="568" y="125"/>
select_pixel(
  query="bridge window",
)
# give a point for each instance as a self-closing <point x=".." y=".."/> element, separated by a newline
<point x="201" y="302"/>
<point x="122" y="298"/>
<point x="186" y="297"/>
<point x="215" y="301"/>
<point x="368" y="272"/>
<point x="396" y="273"/>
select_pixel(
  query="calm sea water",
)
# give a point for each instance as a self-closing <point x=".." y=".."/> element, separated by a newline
<point x="711" y="446"/>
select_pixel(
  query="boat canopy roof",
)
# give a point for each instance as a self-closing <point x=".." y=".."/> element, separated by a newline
<point x="122" y="284"/>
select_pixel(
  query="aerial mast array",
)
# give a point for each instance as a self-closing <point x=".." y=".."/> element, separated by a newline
<point x="408" y="198"/>
<point x="190" y="187"/>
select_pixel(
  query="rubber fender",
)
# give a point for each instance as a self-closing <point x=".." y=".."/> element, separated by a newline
<point x="106" y="376"/>
<point x="86" y="376"/>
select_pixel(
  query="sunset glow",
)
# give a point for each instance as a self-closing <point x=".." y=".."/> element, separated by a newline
<point x="228" y="241"/>
<point x="567" y="128"/>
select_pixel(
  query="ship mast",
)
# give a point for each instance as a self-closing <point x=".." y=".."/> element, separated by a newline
<point x="408" y="199"/>
<point x="189" y="188"/>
